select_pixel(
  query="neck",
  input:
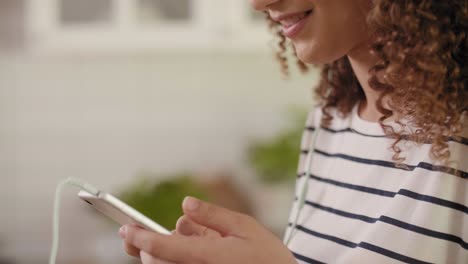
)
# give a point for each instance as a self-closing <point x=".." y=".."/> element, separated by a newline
<point x="361" y="61"/>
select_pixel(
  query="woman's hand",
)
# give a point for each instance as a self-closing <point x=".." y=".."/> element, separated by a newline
<point x="210" y="235"/>
<point x="184" y="226"/>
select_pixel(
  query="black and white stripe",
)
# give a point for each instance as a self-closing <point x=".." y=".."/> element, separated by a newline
<point x="362" y="206"/>
<point x="365" y="245"/>
<point x="392" y="221"/>
<point x="403" y="192"/>
<point x="390" y="164"/>
<point x="459" y="139"/>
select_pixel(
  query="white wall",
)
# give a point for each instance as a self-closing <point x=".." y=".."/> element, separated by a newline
<point x="106" y="119"/>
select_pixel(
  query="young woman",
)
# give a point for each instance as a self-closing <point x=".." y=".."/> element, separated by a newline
<point x="384" y="160"/>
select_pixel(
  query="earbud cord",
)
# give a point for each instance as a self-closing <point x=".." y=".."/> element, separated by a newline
<point x="305" y="187"/>
<point x="56" y="214"/>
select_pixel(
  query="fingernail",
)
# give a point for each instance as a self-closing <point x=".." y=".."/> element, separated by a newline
<point x="191" y="204"/>
<point x="123" y="232"/>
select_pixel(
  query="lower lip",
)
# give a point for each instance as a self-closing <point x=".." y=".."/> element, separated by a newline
<point x="293" y="30"/>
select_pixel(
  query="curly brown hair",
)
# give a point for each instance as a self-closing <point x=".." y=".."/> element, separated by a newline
<point x="421" y="46"/>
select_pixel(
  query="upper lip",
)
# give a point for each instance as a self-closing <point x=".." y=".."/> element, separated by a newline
<point x="278" y="18"/>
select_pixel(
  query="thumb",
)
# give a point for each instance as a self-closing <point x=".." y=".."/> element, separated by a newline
<point x="220" y="219"/>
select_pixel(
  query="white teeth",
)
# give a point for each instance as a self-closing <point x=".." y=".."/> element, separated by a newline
<point x="292" y="20"/>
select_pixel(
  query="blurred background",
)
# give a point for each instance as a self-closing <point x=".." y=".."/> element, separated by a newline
<point x="150" y="100"/>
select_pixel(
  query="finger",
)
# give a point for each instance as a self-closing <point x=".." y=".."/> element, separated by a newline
<point x="146" y="258"/>
<point x="187" y="227"/>
<point x="131" y="250"/>
<point x="224" y="221"/>
<point x="175" y="248"/>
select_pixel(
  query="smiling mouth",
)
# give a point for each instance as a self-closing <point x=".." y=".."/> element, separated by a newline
<point x="293" y="19"/>
<point x="294" y="23"/>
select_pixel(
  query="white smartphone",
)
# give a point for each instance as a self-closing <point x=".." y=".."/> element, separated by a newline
<point x="120" y="211"/>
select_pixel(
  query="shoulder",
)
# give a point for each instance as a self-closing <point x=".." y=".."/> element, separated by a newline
<point x="316" y="113"/>
<point x="314" y="116"/>
<point x="458" y="147"/>
<point x="337" y="125"/>
<point x="334" y="121"/>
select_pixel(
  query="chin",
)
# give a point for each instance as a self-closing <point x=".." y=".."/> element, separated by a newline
<point x="311" y="54"/>
<point x="308" y="54"/>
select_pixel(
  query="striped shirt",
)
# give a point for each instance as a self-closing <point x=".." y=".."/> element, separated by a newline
<point x="361" y="208"/>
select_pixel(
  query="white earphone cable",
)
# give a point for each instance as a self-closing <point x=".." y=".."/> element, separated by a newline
<point x="56" y="213"/>
<point x="304" y="189"/>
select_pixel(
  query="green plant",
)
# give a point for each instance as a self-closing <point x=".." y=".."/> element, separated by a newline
<point x="275" y="160"/>
<point x="161" y="200"/>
